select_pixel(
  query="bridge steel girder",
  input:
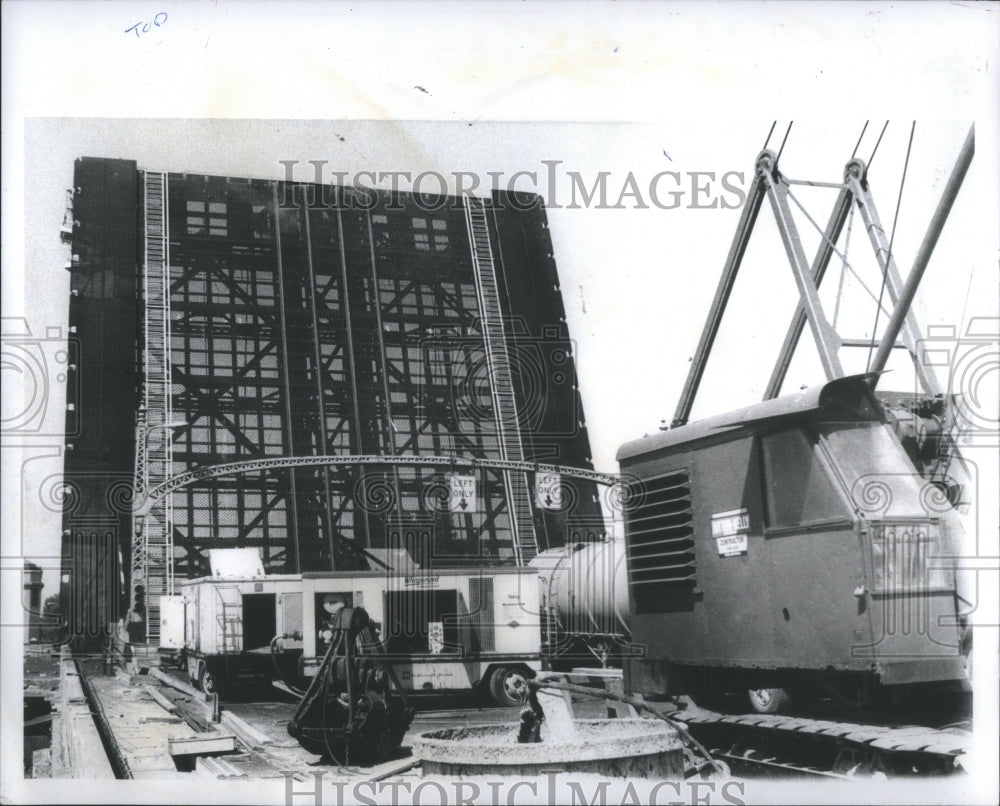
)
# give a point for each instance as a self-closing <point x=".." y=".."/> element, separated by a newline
<point x="182" y="480"/>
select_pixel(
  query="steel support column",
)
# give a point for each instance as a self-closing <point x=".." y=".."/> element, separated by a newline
<point x="827" y="340"/>
<point x="746" y="224"/>
<point x="326" y="521"/>
<point x="822" y="260"/>
<point x="293" y="514"/>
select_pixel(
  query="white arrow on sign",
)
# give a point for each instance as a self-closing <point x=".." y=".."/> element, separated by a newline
<point x="548" y="491"/>
<point x="462" y="494"/>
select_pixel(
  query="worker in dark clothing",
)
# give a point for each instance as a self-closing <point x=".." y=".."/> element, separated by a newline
<point x="135" y="620"/>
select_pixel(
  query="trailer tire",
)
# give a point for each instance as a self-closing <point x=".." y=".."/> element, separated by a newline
<point x="508" y="685"/>
<point x="210" y="682"/>
<point x="769" y="700"/>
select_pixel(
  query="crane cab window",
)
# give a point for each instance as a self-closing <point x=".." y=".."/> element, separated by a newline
<point x="797" y="489"/>
<point x="879" y="476"/>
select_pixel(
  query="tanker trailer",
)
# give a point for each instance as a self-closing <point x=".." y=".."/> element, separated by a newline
<point x="584" y="600"/>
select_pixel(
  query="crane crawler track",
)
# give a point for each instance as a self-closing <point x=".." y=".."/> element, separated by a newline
<point x="799" y="746"/>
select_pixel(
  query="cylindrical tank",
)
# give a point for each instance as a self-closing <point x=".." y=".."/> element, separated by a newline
<point x="584" y="588"/>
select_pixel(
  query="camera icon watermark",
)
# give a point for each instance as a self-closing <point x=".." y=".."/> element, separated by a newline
<point x="34" y="367"/>
<point x="85" y="603"/>
<point x="918" y="588"/>
<point x="969" y="365"/>
<point x="41" y="614"/>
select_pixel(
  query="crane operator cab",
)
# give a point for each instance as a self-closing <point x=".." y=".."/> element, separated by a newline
<point x="790" y="544"/>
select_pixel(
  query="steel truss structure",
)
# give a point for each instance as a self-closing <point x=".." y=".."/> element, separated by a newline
<point x="281" y="319"/>
<point x="938" y="457"/>
<point x="155" y="495"/>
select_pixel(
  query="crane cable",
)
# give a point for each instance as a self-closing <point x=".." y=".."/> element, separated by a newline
<point x="892" y="236"/>
<point x="843" y="267"/>
<point x="877" y="142"/>
<point x="768" y="140"/>
<point x="833" y="247"/>
<point x="281" y="673"/>
<point x="860" y="136"/>
<point x="847" y="240"/>
<point x="783" y="141"/>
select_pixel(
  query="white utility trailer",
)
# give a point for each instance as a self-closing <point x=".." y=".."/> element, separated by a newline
<point x="237" y="622"/>
<point x="442" y="629"/>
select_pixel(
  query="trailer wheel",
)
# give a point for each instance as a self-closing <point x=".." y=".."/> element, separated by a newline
<point x="209" y="682"/>
<point x="508" y="685"/>
<point x="769" y="700"/>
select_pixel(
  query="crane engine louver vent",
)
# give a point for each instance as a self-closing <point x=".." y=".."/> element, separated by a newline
<point x="660" y="538"/>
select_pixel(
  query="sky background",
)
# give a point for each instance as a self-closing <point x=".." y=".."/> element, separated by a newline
<point x="232" y="88"/>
